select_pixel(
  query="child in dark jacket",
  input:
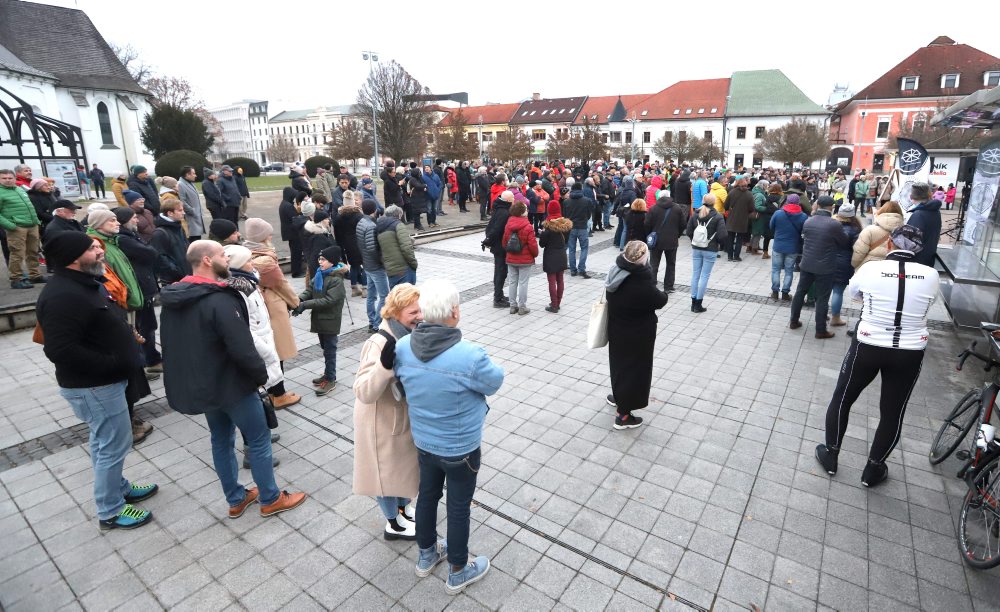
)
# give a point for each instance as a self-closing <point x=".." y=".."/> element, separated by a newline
<point x="554" y="258"/>
<point x="325" y="296"/>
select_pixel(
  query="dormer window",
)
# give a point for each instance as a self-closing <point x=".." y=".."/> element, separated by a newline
<point x="949" y="81"/>
<point x="701" y="111"/>
<point x="645" y="112"/>
<point x="715" y="109"/>
<point x="687" y="112"/>
<point x="991" y="78"/>
<point x="910" y="83"/>
<point x="677" y="111"/>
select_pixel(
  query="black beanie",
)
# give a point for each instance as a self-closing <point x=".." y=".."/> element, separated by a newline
<point x="222" y="228"/>
<point x="64" y="248"/>
<point x="320" y="215"/>
<point x="124" y="214"/>
<point x="331" y="254"/>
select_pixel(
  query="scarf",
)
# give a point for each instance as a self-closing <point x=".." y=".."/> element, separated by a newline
<point x="398" y="329"/>
<point x="116" y="259"/>
<point x="317" y="283"/>
<point x="244" y="282"/>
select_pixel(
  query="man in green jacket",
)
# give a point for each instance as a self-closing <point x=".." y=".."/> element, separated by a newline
<point x="396" y="244"/>
<point x="19" y="220"/>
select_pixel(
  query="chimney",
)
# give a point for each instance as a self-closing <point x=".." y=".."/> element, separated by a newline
<point x="536" y="96"/>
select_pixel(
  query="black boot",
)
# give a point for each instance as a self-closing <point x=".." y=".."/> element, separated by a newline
<point x="694" y="305"/>
<point x="874" y="474"/>
<point x="697" y="307"/>
<point x="827" y="457"/>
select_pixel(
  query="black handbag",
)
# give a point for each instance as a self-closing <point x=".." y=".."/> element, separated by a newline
<point x="269" y="414"/>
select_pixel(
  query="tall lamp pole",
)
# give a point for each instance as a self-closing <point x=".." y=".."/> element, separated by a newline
<point x="633" y="121"/>
<point x="372" y="58"/>
<point x="481" y="138"/>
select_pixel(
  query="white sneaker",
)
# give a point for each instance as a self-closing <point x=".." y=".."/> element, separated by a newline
<point x="410" y="511"/>
<point x="409" y="531"/>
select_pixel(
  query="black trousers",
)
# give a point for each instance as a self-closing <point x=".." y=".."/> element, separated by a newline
<point x="99" y="188"/>
<point x="735" y="244"/>
<point x="824" y="286"/>
<point x="145" y="323"/>
<point x="295" y="252"/>
<point x="900" y="369"/>
<point x="499" y="275"/>
<point x="232" y="213"/>
<point x="670" y="258"/>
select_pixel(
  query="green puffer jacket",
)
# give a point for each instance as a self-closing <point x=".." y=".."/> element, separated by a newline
<point x="118" y="261"/>
<point x="16" y="209"/>
<point x="327" y="306"/>
<point x="397" y="246"/>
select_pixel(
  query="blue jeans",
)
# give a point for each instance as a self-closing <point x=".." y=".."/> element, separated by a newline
<point x="358" y="276"/>
<point x="431" y="213"/>
<point x="378" y="288"/>
<point x="105" y="412"/>
<point x="779" y="262"/>
<point x="580" y="235"/>
<point x="390" y="506"/>
<point x="328" y="342"/>
<point x="702" y="262"/>
<point x="247" y="413"/>
<point x="606" y="210"/>
<point x="837" y="299"/>
<point x="410" y="276"/>
<point x="623" y="238"/>
<point x="460" y="474"/>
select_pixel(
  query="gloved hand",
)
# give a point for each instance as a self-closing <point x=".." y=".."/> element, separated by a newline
<point x="298" y="309"/>
<point x="388" y="355"/>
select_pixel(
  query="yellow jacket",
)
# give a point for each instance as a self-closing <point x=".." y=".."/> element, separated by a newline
<point x="118" y="186"/>
<point x="720" y="194"/>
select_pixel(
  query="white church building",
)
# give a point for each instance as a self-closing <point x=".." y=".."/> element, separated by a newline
<point x="65" y="98"/>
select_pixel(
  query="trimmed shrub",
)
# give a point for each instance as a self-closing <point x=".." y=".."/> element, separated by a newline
<point x="250" y="167"/>
<point x="170" y="164"/>
<point x="315" y="162"/>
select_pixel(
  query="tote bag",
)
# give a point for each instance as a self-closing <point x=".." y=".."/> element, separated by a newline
<point x="597" y="329"/>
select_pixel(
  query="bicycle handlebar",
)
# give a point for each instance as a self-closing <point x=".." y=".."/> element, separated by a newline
<point x="971" y="352"/>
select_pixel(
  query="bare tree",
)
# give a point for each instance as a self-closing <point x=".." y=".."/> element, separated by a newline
<point x="587" y="143"/>
<point x="711" y="151"/>
<point x="452" y="141"/>
<point x="350" y="139"/>
<point x="402" y="120"/>
<point x="282" y="148"/>
<point x="130" y="58"/>
<point x="558" y="146"/>
<point x="174" y="91"/>
<point x="512" y="145"/>
<point x="681" y="149"/>
<point x="797" y="141"/>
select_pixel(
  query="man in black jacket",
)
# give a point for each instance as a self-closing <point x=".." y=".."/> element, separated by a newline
<point x="213" y="368"/>
<point x="63" y="219"/>
<point x="482" y="191"/>
<point x="822" y="238"/>
<point x="241" y="186"/>
<point x="170" y="243"/>
<point x="94" y="350"/>
<point x="669" y="221"/>
<point x="578" y="209"/>
<point x="494" y="240"/>
<point x="139" y="181"/>
<point x="299" y="181"/>
<point x="231" y="197"/>
<point x="287" y="211"/>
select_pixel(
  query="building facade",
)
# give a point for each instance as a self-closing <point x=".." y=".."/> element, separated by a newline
<point x="306" y="130"/>
<point x="244" y="130"/>
<point x="929" y="80"/>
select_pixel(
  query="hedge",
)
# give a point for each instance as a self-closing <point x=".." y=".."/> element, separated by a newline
<point x="250" y="167"/>
<point x="170" y="164"/>
<point x="319" y="160"/>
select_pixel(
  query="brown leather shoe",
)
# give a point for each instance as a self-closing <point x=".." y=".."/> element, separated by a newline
<point x="286" y="400"/>
<point x="837" y="322"/>
<point x="795" y="325"/>
<point x="237" y="511"/>
<point x="285" y="501"/>
<point x="824" y="335"/>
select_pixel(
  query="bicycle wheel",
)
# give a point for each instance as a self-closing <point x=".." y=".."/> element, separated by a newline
<point x="955" y="427"/>
<point x="979" y="521"/>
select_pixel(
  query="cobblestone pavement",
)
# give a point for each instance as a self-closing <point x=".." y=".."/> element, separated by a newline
<point x="715" y="503"/>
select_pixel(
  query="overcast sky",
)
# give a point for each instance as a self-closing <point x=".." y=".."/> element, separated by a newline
<point x="305" y="54"/>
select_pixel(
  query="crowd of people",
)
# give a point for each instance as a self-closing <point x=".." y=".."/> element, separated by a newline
<point x="420" y="389"/>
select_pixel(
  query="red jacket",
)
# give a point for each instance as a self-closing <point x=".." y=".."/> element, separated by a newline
<point x="527" y="235"/>
<point x="452" y="180"/>
<point x="495" y="191"/>
<point x="543" y="197"/>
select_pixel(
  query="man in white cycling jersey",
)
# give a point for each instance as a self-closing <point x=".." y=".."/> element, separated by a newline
<point x="890" y="339"/>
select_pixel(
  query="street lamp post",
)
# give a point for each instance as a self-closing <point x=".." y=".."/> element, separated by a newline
<point x="480" y="137"/>
<point x="372" y="58"/>
<point x="633" y="121"/>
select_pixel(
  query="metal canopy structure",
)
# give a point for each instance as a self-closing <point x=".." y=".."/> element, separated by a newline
<point x="979" y="110"/>
<point x="34" y="136"/>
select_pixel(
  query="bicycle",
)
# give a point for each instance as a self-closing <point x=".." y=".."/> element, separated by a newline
<point x="963" y="417"/>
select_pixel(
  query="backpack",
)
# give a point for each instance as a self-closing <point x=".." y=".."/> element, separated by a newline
<point x="513" y="244"/>
<point x="700" y="237"/>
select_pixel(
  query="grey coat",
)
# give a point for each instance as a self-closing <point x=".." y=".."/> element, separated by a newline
<point x="371" y="256"/>
<point x="192" y="208"/>
<point x="822" y="237"/>
<point x="231" y="197"/>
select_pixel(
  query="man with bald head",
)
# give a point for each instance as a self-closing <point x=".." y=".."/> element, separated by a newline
<point x="211" y="367"/>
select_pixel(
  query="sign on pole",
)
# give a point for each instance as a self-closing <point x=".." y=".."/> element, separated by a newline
<point x="984" y="191"/>
<point x="913" y="166"/>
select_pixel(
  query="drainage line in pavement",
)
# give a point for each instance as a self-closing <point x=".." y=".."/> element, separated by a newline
<point x="539" y="533"/>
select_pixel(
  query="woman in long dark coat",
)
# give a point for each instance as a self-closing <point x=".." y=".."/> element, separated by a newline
<point x="633" y="300"/>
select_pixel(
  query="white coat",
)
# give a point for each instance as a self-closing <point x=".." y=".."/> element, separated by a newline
<point x="263" y="337"/>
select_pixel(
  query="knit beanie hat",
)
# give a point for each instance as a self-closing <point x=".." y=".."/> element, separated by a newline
<point x="257" y="230"/>
<point x="124" y="214"/>
<point x="636" y="252"/>
<point x="63" y="248"/>
<point x="131" y="196"/>
<point x="331" y="254"/>
<point x="38" y="182"/>
<point x="207" y="172"/>
<point x="168" y="181"/>
<point x="792" y="198"/>
<point x="320" y="215"/>
<point x="238" y="255"/>
<point x="555" y="209"/>
<point x="308" y="208"/>
<point x="368" y="207"/>
<point x="823" y="201"/>
<point x="99" y="217"/>
<point x="137" y="169"/>
<point x="222" y="228"/>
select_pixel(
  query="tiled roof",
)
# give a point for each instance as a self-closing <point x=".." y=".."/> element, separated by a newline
<point x="492" y="114"/>
<point x="66" y="44"/>
<point x="548" y="110"/>
<point x="598" y="108"/>
<point x="767" y="92"/>
<point x="13" y="63"/>
<point x="704" y="98"/>
<point x="941" y="56"/>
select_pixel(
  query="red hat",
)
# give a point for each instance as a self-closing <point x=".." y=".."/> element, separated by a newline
<point x="555" y="209"/>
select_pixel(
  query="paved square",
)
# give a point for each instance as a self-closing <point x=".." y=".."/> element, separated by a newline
<point x="715" y="503"/>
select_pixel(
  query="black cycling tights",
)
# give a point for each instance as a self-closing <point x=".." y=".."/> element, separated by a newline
<point x="900" y="369"/>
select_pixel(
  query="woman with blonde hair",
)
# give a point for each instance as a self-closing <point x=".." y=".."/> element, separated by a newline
<point x="871" y="242"/>
<point x="707" y="232"/>
<point x="635" y="221"/>
<point x="385" y="458"/>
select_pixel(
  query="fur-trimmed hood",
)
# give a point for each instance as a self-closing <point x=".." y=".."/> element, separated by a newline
<point x="348" y="209"/>
<point x="559" y="224"/>
<point x="315" y="228"/>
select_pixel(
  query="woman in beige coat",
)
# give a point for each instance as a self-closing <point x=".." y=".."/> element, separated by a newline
<point x="871" y="243"/>
<point x="385" y="458"/>
<point x="278" y="293"/>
